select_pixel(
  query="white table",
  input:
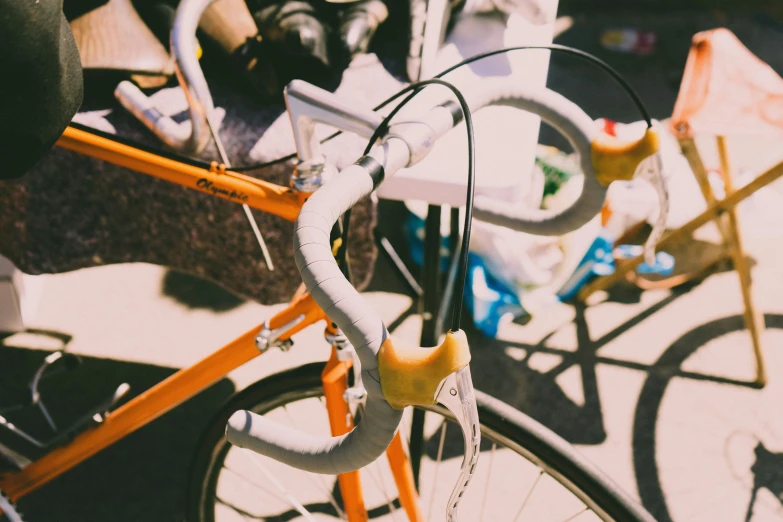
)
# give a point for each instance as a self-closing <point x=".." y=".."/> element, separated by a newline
<point x="506" y="141"/>
<point x="506" y="138"/>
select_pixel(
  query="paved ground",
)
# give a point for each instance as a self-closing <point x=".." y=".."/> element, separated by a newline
<point x="648" y="386"/>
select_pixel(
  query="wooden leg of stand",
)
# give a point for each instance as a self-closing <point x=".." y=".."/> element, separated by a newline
<point x="754" y="321"/>
<point x="691" y="153"/>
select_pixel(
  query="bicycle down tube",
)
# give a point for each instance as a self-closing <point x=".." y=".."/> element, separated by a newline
<point x="162" y="397"/>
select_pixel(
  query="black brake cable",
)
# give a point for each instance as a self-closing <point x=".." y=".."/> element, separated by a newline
<point x="416" y="88"/>
<point x="573" y="51"/>
<point x="456" y="312"/>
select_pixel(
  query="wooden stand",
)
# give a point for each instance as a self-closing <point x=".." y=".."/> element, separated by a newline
<point x="754" y="322"/>
<point x="723" y="213"/>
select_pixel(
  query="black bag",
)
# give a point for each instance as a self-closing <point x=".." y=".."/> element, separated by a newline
<point x="41" y="87"/>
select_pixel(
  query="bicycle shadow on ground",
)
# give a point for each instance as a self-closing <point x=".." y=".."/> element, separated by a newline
<point x="669" y="365"/>
<point x="512" y="380"/>
<point x="539" y="395"/>
<point x="537" y="392"/>
<point x="197" y="293"/>
<point x="141" y="477"/>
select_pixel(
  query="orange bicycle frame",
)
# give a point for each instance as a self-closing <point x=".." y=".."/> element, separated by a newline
<point x="334" y="378"/>
<point x="154" y="402"/>
<point x="301" y="312"/>
<point x="188" y="382"/>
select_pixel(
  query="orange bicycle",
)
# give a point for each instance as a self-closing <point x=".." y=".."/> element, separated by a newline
<point x="380" y="459"/>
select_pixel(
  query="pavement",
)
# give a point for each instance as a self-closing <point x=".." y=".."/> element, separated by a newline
<point x="652" y="387"/>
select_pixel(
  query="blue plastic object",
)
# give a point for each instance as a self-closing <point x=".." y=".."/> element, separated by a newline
<point x="599" y="261"/>
<point x="664" y="263"/>
<point x="488" y="299"/>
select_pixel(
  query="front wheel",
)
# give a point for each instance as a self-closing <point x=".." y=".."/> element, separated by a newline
<point x="525" y="472"/>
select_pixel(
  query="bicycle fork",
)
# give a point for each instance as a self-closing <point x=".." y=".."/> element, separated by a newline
<point x="339" y="398"/>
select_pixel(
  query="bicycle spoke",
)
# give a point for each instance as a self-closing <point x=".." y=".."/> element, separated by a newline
<point x="251" y="481"/>
<point x="575" y="515"/>
<point x="437" y="467"/>
<point x="378" y="480"/>
<point x="489" y="475"/>
<point x="380" y="483"/>
<point x="241" y="512"/>
<point x="318" y="480"/>
<point x="286" y="494"/>
<point x="529" y="494"/>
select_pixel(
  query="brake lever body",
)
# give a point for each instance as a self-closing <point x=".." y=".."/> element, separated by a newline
<point x="413" y="376"/>
<point x="456" y="395"/>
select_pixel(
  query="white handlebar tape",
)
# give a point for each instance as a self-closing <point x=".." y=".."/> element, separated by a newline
<point x="576" y="126"/>
<point x="361" y="325"/>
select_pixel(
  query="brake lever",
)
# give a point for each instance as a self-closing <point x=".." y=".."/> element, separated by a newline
<point x="651" y="170"/>
<point x="456" y="394"/>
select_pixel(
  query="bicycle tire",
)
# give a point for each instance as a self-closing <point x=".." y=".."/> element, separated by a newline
<point x="525" y="436"/>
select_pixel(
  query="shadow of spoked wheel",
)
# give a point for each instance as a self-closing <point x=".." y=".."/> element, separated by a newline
<point x="707" y="442"/>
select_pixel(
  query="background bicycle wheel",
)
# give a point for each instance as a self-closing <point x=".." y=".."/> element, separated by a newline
<point x="738" y="473"/>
